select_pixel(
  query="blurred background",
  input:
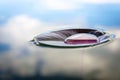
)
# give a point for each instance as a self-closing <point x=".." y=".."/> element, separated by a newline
<point x="21" y="20"/>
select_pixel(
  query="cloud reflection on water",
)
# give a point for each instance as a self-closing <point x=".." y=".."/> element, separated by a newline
<point x="26" y="59"/>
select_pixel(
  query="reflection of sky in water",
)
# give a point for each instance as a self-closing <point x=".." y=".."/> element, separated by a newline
<point x="93" y="62"/>
<point x="19" y="24"/>
<point x="4" y="47"/>
<point x="90" y="14"/>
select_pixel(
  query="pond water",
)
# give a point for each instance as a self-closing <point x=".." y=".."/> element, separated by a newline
<point x="46" y="63"/>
